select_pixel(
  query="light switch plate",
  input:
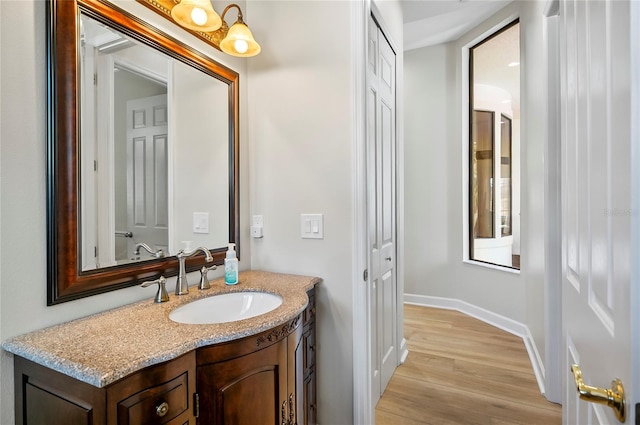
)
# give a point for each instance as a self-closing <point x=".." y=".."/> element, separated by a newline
<point x="200" y="222"/>
<point x="312" y="226"/>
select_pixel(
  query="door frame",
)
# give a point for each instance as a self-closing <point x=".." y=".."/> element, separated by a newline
<point x="363" y="408"/>
<point x="635" y="202"/>
<point x="553" y="208"/>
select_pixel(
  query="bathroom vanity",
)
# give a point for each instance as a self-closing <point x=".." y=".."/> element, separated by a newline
<point x="133" y="365"/>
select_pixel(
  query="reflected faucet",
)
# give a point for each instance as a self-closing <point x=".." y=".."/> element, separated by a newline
<point x="157" y="254"/>
<point x="182" y="286"/>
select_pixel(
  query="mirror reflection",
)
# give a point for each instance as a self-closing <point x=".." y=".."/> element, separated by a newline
<point x="154" y="142"/>
<point x="494" y="149"/>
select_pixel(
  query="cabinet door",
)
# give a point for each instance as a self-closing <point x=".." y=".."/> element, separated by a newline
<point x="251" y="389"/>
<point x="44" y="396"/>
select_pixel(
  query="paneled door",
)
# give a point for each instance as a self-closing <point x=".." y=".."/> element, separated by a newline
<point x="596" y="205"/>
<point x="147" y="179"/>
<point x="381" y="207"/>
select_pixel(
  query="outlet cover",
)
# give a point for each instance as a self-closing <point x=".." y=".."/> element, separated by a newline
<point x="200" y="222"/>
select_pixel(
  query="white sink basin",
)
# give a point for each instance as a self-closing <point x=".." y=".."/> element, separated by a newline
<point x="226" y="308"/>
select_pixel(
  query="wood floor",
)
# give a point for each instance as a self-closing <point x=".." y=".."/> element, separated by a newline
<point x="462" y="371"/>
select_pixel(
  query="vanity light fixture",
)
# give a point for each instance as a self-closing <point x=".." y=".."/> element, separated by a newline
<point x="199" y="16"/>
<point x="239" y="40"/>
<point x="196" y="15"/>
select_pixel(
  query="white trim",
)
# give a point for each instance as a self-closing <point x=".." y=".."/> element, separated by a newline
<point x="634" y="38"/>
<point x="491" y="266"/>
<point x="135" y="68"/>
<point x="404" y="351"/>
<point x="553" y="211"/>
<point x="491" y="318"/>
<point x="363" y="411"/>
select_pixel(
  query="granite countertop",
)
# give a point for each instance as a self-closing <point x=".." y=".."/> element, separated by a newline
<point x="103" y="348"/>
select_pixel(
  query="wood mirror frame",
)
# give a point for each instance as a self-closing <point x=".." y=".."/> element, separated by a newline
<point x="65" y="280"/>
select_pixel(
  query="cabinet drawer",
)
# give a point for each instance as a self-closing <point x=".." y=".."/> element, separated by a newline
<point x="155" y="405"/>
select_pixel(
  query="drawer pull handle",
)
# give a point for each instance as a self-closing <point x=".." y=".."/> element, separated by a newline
<point x="162" y="409"/>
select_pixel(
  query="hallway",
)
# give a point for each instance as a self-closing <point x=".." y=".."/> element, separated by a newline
<point x="461" y="370"/>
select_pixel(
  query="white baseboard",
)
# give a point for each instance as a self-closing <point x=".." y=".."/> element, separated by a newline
<point x="404" y="351"/>
<point x="494" y="319"/>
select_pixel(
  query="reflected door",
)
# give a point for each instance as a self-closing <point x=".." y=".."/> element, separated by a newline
<point x="483" y="144"/>
<point x="147" y="176"/>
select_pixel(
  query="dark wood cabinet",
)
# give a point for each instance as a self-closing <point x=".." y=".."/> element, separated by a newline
<point x="160" y="394"/>
<point x="264" y="379"/>
<point x="252" y="380"/>
<point x="309" y="402"/>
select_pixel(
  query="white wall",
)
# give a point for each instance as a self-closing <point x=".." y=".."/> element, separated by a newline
<point x="22" y="181"/>
<point x="435" y="215"/>
<point x="200" y="157"/>
<point x="302" y="161"/>
<point x="300" y="126"/>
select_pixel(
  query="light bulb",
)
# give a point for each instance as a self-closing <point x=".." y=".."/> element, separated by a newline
<point x="241" y="46"/>
<point x="199" y="16"/>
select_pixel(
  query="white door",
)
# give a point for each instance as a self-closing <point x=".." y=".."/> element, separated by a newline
<point x="147" y="191"/>
<point x="596" y="202"/>
<point x="381" y="208"/>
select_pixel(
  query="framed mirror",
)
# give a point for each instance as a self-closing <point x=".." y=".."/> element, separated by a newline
<point x="142" y="151"/>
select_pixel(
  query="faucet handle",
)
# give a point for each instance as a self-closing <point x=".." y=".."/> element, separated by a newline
<point x="161" y="295"/>
<point x="204" y="279"/>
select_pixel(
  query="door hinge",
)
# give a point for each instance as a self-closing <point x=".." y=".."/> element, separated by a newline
<point x="95" y="79"/>
<point x="95" y="165"/>
<point x="196" y="405"/>
<point x="95" y="252"/>
<point x="365" y="275"/>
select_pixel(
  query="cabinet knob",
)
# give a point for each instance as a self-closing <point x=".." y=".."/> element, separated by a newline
<point x="162" y="409"/>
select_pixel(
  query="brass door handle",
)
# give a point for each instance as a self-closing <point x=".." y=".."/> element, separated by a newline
<point x="613" y="397"/>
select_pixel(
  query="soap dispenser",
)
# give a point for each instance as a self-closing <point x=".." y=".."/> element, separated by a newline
<point x="231" y="266"/>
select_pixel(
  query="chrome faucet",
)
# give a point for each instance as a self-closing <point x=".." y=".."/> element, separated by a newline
<point x="182" y="286"/>
<point x="161" y="295"/>
<point x="157" y="254"/>
<point x="204" y="279"/>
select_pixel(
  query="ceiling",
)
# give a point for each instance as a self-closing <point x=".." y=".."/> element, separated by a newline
<point x="429" y="22"/>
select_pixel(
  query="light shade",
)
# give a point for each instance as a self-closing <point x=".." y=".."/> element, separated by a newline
<point x="196" y="15"/>
<point x="239" y="41"/>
